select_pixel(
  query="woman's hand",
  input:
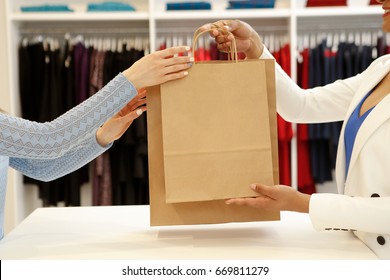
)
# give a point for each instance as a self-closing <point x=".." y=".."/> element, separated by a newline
<point x="114" y="127"/>
<point x="159" y="67"/>
<point x="277" y="198"/>
<point x="247" y="39"/>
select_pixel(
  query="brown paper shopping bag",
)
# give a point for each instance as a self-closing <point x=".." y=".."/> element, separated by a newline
<point x="199" y="204"/>
<point x="216" y="132"/>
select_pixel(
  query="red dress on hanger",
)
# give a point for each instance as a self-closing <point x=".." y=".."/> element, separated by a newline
<point x="285" y="132"/>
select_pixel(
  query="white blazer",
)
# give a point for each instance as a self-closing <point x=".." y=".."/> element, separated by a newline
<point x="363" y="202"/>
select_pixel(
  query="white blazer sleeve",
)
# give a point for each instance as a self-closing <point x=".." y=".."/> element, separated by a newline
<point x="321" y="104"/>
<point x="335" y="211"/>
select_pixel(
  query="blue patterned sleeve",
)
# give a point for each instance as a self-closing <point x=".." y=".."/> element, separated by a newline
<point x="49" y="150"/>
<point x="51" y="169"/>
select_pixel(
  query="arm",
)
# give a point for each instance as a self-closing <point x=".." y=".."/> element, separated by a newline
<point x="337" y="211"/>
<point x="46" y="151"/>
<point x="320" y="104"/>
<point x="52" y="149"/>
<point x="50" y="169"/>
<point x="326" y="211"/>
<point x="276" y="198"/>
<point x="27" y="139"/>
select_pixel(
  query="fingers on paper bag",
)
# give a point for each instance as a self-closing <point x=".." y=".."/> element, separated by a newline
<point x="139" y="103"/>
<point x="136" y="113"/>
<point x="264" y="190"/>
<point x="246" y="201"/>
<point x="175" y="76"/>
<point x="223" y="39"/>
<point x="142" y="92"/>
<point x="224" y="46"/>
<point x="177" y="68"/>
<point x="139" y="112"/>
<point x="179" y="60"/>
<point x="174" y="51"/>
<point x="228" y="24"/>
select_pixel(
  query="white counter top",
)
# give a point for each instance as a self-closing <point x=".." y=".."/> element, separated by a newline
<point x="123" y="232"/>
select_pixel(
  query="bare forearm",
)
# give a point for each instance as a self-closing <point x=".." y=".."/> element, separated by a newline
<point x="256" y="47"/>
<point x="302" y="203"/>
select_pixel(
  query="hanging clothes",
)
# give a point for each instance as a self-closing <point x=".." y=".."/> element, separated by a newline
<point x="101" y="170"/>
<point x="51" y="83"/>
<point x="285" y="132"/>
<point x="129" y="155"/>
<point x="327" y="63"/>
<point x="41" y="91"/>
<point x="306" y="182"/>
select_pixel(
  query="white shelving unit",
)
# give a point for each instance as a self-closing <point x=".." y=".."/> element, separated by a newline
<point x="288" y="16"/>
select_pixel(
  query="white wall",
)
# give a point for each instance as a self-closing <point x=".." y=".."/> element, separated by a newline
<point x="5" y="104"/>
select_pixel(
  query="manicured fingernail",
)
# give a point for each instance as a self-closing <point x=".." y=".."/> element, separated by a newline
<point x="185" y="73"/>
<point x="187" y="48"/>
<point x="253" y="186"/>
<point x="227" y="27"/>
<point x="192" y="59"/>
<point x="139" y="112"/>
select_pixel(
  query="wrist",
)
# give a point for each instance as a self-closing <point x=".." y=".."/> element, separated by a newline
<point x="303" y="202"/>
<point x="131" y="77"/>
<point x="256" y="47"/>
<point x="101" y="139"/>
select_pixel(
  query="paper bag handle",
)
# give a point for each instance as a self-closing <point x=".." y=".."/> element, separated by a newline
<point x="233" y="47"/>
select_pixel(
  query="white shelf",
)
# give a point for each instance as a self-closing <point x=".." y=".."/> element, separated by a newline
<point x="95" y="16"/>
<point x="223" y="14"/>
<point x="338" y="11"/>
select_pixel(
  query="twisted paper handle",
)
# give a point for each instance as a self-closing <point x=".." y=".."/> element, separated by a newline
<point x="233" y="48"/>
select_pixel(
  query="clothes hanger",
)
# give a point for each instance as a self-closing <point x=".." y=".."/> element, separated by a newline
<point x="272" y="43"/>
<point x="335" y="44"/>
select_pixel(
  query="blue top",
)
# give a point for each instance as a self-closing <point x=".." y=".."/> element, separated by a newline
<point x="46" y="8"/>
<point x="46" y="151"/>
<point x="352" y="128"/>
<point x="109" y="6"/>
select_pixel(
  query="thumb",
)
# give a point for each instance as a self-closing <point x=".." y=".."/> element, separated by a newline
<point x="231" y="25"/>
<point x="262" y="189"/>
<point x="255" y="188"/>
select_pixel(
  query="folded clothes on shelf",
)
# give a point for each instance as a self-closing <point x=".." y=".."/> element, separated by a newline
<point x="46" y="8"/>
<point x="177" y="6"/>
<point x="109" y="7"/>
<point x="251" y="4"/>
<point x="325" y="3"/>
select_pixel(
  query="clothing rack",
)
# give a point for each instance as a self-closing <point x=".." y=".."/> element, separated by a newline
<point x="336" y="23"/>
<point x="102" y="38"/>
<point x="338" y="29"/>
<point x="64" y="77"/>
<point x="360" y="37"/>
<point x="97" y="31"/>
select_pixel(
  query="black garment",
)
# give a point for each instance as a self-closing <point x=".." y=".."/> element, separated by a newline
<point x="129" y="155"/>
<point x="52" y="83"/>
<point x="73" y="181"/>
<point x="46" y="92"/>
<point x="349" y="61"/>
<point x="31" y="71"/>
<point x="319" y="143"/>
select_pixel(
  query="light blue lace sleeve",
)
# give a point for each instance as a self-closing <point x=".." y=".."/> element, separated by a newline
<point x="51" y="169"/>
<point x="46" y="151"/>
